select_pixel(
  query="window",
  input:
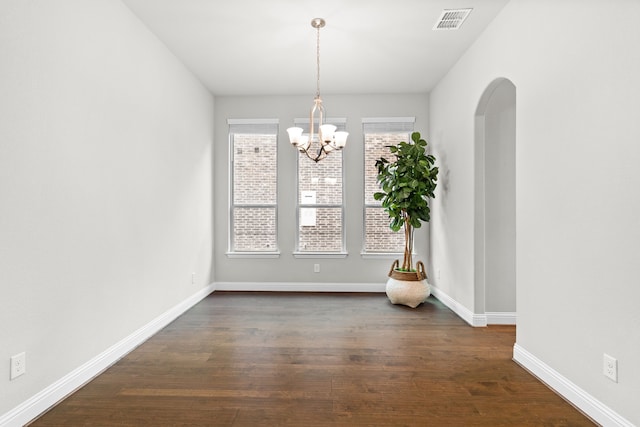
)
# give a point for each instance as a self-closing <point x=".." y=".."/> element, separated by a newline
<point x="253" y="183"/>
<point x="379" y="133"/>
<point x="320" y="205"/>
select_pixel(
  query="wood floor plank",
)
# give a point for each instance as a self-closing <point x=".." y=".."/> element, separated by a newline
<point x="305" y="359"/>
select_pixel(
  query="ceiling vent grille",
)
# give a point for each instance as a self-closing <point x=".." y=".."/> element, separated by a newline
<point x="451" y="19"/>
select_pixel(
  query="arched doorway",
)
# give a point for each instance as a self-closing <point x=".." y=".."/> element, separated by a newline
<point x="495" y="203"/>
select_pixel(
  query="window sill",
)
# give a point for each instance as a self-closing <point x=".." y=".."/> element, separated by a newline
<point x="382" y="255"/>
<point x="253" y="255"/>
<point x="319" y="255"/>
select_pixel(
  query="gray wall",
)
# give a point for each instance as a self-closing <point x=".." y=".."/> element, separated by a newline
<point x="353" y="269"/>
<point x="500" y="199"/>
<point x="577" y="204"/>
<point x="105" y="185"/>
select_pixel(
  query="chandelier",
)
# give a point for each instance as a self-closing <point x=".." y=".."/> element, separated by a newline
<point x="321" y="140"/>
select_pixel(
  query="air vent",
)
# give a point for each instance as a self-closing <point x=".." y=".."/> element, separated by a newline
<point x="451" y="19"/>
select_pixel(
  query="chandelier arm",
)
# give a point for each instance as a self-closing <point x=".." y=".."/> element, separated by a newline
<point x="317" y="108"/>
<point x="321" y="154"/>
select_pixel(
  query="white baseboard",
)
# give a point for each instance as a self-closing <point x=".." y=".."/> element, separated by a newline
<point x="299" y="287"/>
<point x="582" y="400"/>
<point x="43" y="400"/>
<point x="475" y="320"/>
<point x="500" y="318"/>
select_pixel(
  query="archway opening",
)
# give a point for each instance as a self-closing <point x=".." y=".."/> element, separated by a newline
<point x="495" y="203"/>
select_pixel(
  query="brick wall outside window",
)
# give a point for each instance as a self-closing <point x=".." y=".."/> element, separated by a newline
<point x="254" y="229"/>
<point x="254" y="192"/>
<point x="326" y="236"/>
<point x="254" y="169"/>
<point x="325" y="179"/>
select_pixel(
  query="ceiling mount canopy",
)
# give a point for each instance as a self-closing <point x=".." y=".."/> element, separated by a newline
<point x="318" y="22"/>
<point x="322" y="138"/>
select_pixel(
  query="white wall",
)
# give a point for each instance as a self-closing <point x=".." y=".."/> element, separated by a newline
<point x="353" y="269"/>
<point x="105" y="184"/>
<point x="577" y="133"/>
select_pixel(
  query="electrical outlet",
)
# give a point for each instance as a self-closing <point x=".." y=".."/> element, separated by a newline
<point x="316" y="268"/>
<point x="18" y="365"/>
<point x="193" y="278"/>
<point x="610" y="367"/>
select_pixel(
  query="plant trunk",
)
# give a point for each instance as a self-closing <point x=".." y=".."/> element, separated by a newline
<point x="407" y="261"/>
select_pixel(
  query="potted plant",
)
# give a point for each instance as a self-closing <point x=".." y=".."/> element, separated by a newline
<point x="407" y="184"/>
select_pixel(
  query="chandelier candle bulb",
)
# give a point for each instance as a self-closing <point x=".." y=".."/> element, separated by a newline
<point x="294" y="135"/>
<point x="341" y="139"/>
<point x="326" y="133"/>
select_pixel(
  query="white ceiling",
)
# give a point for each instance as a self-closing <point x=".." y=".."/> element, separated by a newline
<point x="268" y="47"/>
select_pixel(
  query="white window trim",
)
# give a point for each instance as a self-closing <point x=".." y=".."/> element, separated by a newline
<point x="253" y="122"/>
<point x="231" y="253"/>
<point x="340" y="122"/>
<point x="388" y="129"/>
<point x="253" y="255"/>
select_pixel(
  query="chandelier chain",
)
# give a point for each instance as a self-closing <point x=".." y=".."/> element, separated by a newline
<point x="318" y="62"/>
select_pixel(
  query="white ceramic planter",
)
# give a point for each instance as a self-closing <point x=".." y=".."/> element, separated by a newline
<point x="408" y="288"/>
<point x="411" y="293"/>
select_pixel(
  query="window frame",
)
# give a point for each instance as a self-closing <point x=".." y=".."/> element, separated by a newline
<point x="340" y="123"/>
<point x="387" y="125"/>
<point x="250" y="126"/>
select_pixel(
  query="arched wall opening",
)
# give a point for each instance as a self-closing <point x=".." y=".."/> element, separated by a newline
<point x="495" y="204"/>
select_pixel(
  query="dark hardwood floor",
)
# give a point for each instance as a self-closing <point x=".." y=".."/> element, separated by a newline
<point x="301" y="359"/>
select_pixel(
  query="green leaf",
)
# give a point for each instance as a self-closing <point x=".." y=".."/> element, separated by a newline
<point x="407" y="183"/>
